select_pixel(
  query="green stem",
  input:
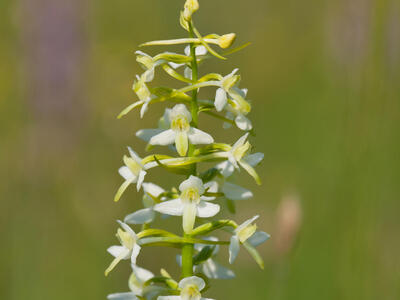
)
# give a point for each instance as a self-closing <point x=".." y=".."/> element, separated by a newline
<point x="187" y="260"/>
<point x="188" y="249"/>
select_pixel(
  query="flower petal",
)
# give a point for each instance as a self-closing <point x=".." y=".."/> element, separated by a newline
<point x="144" y="108"/>
<point x="235" y="192"/>
<point x="117" y="250"/>
<point x="181" y="143"/>
<point x="258" y="238"/>
<point x="192" y="181"/>
<point x="206" y="209"/>
<point x="148" y="75"/>
<point x="164" y="138"/>
<point x="246" y="223"/>
<point x="147" y="134"/>
<point x="243" y="123"/>
<point x="152" y="189"/>
<point x="122" y="296"/>
<point x="127" y="174"/>
<point x="141" y="176"/>
<point x="188" y="73"/>
<point x="240" y="141"/>
<point x="141" y="216"/>
<point x="171" y="207"/>
<point x="189" y="216"/>
<point x="214" y="270"/>
<point x="142" y="274"/>
<point x="220" y="99"/>
<point x="169" y="298"/>
<point x="193" y="280"/>
<point x="234" y="248"/>
<point x="254" y="159"/>
<point x="135" y="253"/>
<point x="226" y="168"/>
<point x="196" y="137"/>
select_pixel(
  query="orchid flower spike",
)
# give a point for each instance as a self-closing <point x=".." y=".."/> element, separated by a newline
<point x="129" y="248"/>
<point x="132" y="172"/>
<point x="190" y="204"/>
<point x="190" y="288"/>
<point x="181" y="132"/>
<point x="247" y="231"/>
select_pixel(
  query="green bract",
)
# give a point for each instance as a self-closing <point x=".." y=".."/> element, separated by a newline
<point x="204" y="194"/>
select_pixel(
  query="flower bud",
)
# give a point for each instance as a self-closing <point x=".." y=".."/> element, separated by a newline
<point x="191" y="6"/>
<point x="226" y="40"/>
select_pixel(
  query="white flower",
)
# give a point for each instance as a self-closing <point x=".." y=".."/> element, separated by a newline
<point x="149" y="64"/>
<point x="210" y="267"/>
<point x="190" y="204"/>
<point x="228" y="87"/>
<point x="136" y="284"/>
<point x="132" y="172"/>
<point x="143" y="93"/>
<point x="190" y="288"/>
<point x="147" y="214"/>
<point x="237" y="115"/>
<point x="129" y="248"/>
<point x="181" y="132"/>
<point x="246" y="232"/>
<point x="238" y="156"/>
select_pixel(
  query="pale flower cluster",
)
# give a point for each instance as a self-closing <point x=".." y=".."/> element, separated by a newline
<point x="205" y="194"/>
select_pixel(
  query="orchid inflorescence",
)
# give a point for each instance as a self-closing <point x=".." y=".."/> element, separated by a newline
<point x="194" y="197"/>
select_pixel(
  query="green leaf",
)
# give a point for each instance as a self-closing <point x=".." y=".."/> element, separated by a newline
<point x="254" y="253"/>
<point x="203" y="255"/>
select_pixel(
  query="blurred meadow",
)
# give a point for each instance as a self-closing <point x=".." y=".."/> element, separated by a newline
<point x="324" y="80"/>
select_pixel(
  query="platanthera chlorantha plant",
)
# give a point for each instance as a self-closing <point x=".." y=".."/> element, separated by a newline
<point x="199" y="189"/>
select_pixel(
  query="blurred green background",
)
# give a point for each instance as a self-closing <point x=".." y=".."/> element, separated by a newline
<point x="324" y="80"/>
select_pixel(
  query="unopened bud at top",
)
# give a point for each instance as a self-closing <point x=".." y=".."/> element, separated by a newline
<point x="226" y="40"/>
<point x="191" y="6"/>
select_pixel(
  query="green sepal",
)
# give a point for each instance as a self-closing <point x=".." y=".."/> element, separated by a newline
<point x="210" y="50"/>
<point x="254" y="253"/>
<point x="212" y="148"/>
<point x="161" y="279"/>
<point x="211" y="226"/>
<point x="170" y="71"/>
<point x="210" y="77"/>
<point x="203" y="255"/>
